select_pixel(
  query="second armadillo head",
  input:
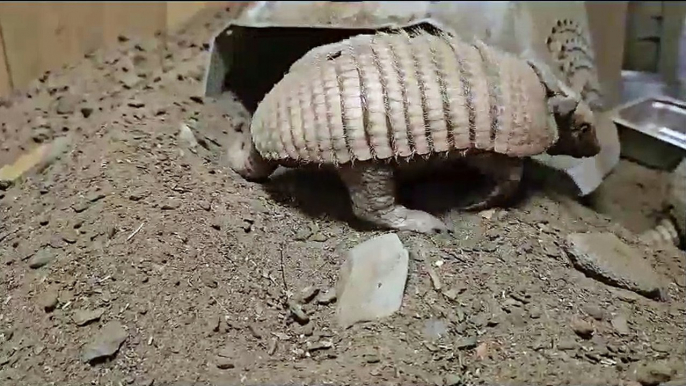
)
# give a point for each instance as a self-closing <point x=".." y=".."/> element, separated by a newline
<point x="576" y="127"/>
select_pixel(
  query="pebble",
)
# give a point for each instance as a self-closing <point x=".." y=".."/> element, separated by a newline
<point x="582" y="328"/>
<point x="372" y="280"/>
<point x="307" y="294"/>
<point x="106" y="343"/>
<point x="534" y="312"/>
<point x="452" y="380"/>
<point x="171" y="205"/>
<point x="320" y="345"/>
<point x="224" y="363"/>
<point x="594" y="311"/>
<point x="41" y="258"/>
<point x="70" y="236"/>
<point x="466" y="343"/>
<point x="654" y="373"/>
<point x="80" y="206"/>
<point x="297" y="312"/>
<point x="83" y="317"/>
<point x="567" y="345"/>
<point x="49" y="300"/>
<point x="66" y="105"/>
<point x="605" y="257"/>
<point x="319" y="237"/>
<point x="326" y="297"/>
<point x="620" y="324"/>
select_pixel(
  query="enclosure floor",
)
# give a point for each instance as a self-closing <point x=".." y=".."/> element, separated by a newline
<point x="199" y="288"/>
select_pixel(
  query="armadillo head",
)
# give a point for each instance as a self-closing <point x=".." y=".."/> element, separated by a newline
<point x="245" y="160"/>
<point x="576" y="127"/>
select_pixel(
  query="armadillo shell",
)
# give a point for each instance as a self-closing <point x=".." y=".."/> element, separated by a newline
<point x="395" y="96"/>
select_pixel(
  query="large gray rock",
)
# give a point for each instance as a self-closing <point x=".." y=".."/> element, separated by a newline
<point x="372" y="280"/>
<point x="106" y="343"/>
<point x="608" y="259"/>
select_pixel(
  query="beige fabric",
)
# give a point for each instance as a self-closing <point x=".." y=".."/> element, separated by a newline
<point x="391" y="95"/>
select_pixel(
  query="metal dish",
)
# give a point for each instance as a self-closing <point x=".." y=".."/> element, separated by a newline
<point x="653" y="130"/>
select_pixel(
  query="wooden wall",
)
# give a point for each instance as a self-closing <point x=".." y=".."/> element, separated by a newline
<point x="39" y="36"/>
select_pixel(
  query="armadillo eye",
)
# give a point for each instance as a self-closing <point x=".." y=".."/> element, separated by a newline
<point x="584" y="127"/>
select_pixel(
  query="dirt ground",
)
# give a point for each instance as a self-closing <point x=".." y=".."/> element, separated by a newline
<point x="130" y="226"/>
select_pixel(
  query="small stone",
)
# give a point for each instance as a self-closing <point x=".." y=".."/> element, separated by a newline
<point x="83" y="317"/>
<point x="70" y="236"/>
<point x="452" y="380"/>
<point x="582" y="328"/>
<point x="135" y="103"/>
<point x="453" y="293"/>
<point x="307" y="330"/>
<point x="594" y="311"/>
<point x="605" y="257"/>
<point x="326" y="297"/>
<point x="138" y="194"/>
<point x="302" y="234"/>
<point x="307" y="294"/>
<point x="273" y="344"/>
<point x="654" y="373"/>
<point x="320" y="345"/>
<point x="106" y="343"/>
<point x="534" y="312"/>
<point x="95" y="197"/>
<point x="41" y="134"/>
<point x="66" y="105"/>
<point x="41" y="258"/>
<point x="372" y="280"/>
<point x="297" y="312"/>
<point x="209" y="281"/>
<point x="186" y="137"/>
<point x="129" y="79"/>
<point x="49" y="300"/>
<point x="224" y="363"/>
<point x="43" y="221"/>
<point x="567" y="345"/>
<point x="171" y="205"/>
<point x="319" y="237"/>
<point x="466" y="343"/>
<point x="80" y="206"/>
<point x="371" y="358"/>
<point x="205" y="205"/>
<point x="621" y="325"/>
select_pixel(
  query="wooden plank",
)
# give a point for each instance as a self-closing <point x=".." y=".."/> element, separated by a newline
<point x="5" y="81"/>
<point x="43" y="36"/>
<point x="140" y="19"/>
<point x="20" y="31"/>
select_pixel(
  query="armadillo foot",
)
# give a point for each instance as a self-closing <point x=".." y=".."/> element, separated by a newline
<point x="372" y="192"/>
<point x="505" y="171"/>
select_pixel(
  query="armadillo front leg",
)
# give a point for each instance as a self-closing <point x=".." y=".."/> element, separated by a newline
<point x="506" y="173"/>
<point x="372" y="192"/>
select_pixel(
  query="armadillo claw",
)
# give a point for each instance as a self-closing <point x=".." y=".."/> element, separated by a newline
<point x="421" y="222"/>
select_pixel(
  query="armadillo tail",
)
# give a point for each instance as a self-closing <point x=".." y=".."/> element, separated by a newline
<point x="245" y="160"/>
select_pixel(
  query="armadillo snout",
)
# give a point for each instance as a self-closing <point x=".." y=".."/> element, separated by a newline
<point x="244" y="159"/>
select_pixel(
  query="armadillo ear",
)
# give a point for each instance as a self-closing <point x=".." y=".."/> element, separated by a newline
<point x="563" y="105"/>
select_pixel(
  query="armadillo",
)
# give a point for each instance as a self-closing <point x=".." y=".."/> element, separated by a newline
<point x="375" y="104"/>
<point x="671" y="229"/>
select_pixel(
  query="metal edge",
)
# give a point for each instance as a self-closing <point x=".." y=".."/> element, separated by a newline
<point x="210" y="65"/>
<point x="660" y="98"/>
